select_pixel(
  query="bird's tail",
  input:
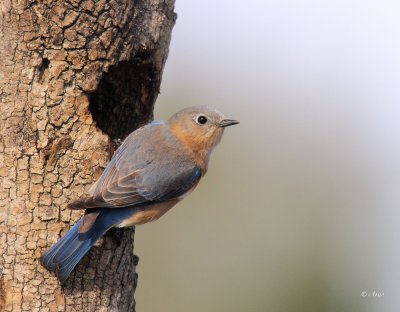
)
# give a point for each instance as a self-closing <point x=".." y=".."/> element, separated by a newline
<point x="63" y="256"/>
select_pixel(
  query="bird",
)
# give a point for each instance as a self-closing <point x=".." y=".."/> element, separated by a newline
<point x="154" y="168"/>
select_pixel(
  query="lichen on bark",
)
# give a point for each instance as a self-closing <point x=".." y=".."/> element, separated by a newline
<point x="73" y="76"/>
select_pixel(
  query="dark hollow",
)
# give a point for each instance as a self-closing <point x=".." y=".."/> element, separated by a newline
<point x="125" y="96"/>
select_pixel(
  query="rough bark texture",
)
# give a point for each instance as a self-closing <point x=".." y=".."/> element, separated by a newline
<point x="74" y="75"/>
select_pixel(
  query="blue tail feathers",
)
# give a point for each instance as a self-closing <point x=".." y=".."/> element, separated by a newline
<point x="63" y="256"/>
<point x="69" y="250"/>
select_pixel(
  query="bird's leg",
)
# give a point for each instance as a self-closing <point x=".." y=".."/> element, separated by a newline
<point x="117" y="142"/>
<point x="113" y="146"/>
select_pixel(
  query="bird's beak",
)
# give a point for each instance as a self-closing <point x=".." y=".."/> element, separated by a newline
<point x="227" y="122"/>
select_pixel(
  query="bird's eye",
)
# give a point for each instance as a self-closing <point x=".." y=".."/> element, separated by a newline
<point x="201" y="119"/>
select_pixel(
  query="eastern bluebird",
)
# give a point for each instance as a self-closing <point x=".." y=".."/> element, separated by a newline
<point x="154" y="168"/>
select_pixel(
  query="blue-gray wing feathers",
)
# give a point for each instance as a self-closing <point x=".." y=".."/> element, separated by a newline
<point x="141" y="172"/>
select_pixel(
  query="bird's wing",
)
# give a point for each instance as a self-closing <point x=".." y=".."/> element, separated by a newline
<point x="140" y="173"/>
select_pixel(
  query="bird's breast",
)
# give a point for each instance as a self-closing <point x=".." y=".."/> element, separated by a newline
<point x="148" y="214"/>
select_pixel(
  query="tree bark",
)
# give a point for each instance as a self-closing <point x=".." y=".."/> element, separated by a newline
<point x="74" y="75"/>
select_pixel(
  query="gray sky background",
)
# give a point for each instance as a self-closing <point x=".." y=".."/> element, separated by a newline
<point x="300" y="208"/>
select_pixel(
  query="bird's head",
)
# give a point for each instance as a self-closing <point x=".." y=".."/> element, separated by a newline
<point x="200" y="128"/>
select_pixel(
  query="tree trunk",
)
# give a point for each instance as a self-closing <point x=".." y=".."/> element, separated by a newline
<point x="74" y="75"/>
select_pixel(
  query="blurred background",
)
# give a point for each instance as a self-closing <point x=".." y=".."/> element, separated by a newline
<point x="300" y="208"/>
